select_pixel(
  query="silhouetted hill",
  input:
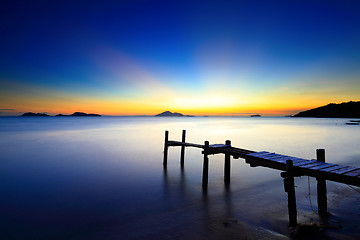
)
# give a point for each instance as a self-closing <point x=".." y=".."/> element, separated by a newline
<point x="31" y="114"/>
<point x="332" y="110"/>
<point x="79" y="114"/>
<point x="170" y="114"/>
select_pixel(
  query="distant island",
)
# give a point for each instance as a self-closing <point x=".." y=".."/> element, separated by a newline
<point x="75" y="114"/>
<point x="343" y="110"/>
<point x="79" y="114"/>
<point x="170" y="114"/>
<point x="31" y="114"/>
<point x="255" y="115"/>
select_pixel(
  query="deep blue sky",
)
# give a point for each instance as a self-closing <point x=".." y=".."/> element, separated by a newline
<point x="127" y="50"/>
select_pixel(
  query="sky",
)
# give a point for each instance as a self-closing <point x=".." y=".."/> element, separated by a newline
<point x="142" y="57"/>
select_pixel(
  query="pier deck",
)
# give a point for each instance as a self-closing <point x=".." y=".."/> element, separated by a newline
<point x="302" y="167"/>
<point x="291" y="167"/>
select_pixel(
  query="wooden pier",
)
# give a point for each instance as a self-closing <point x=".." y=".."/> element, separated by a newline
<point x="291" y="167"/>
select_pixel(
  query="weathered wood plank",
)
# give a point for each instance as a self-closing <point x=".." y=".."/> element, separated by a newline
<point x="258" y="154"/>
<point x="217" y="145"/>
<point x="344" y="170"/>
<point x="284" y="158"/>
<point x="280" y="158"/>
<point x="275" y="156"/>
<point x="326" y="165"/>
<point x="176" y="143"/>
<point x="353" y="173"/>
<point x="266" y="155"/>
<point x="271" y="155"/>
<point x="299" y="163"/>
<point x="314" y="164"/>
<point x="332" y="168"/>
<point x="296" y="158"/>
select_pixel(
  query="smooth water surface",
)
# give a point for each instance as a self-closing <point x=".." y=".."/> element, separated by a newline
<point x="102" y="178"/>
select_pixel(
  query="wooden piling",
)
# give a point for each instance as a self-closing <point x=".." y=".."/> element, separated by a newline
<point x="290" y="189"/>
<point x="321" y="187"/>
<point x="166" y="149"/>
<point x="227" y="164"/>
<point x="182" y="155"/>
<point x="206" y="165"/>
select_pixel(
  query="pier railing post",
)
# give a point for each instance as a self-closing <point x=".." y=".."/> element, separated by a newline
<point x="290" y="189"/>
<point x="182" y="155"/>
<point x="321" y="187"/>
<point x="166" y="148"/>
<point x="227" y="164"/>
<point x="206" y="165"/>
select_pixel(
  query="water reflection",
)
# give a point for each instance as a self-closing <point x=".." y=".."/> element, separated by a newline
<point x="76" y="172"/>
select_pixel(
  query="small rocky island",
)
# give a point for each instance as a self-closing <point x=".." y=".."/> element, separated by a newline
<point x="31" y="114"/>
<point x="79" y="114"/>
<point x="75" y="114"/>
<point x="171" y="114"/>
<point x="343" y="110"/>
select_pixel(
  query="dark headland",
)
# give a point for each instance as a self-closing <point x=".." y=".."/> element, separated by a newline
<point x="171" y="114"/>
<point x="75" y="114"/>
<point x="343" y="110"/>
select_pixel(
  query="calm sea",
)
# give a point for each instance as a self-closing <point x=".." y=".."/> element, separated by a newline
<point x="102" y="178"/>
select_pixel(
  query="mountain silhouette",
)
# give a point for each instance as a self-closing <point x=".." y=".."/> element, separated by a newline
<point x="343" y="110"/>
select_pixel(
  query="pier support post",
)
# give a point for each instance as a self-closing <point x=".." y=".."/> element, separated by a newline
<point x="290" y="189"/>
<point x="182" y="155"/>
<point x="206" y="165"/>
<point x="227" y="164"/>
<point x="321" y="187"/>
<point x="166" y="148"/>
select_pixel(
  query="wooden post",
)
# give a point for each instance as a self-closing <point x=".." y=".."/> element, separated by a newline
<point x="166" y="148"/>
<point x="227" y="164"/>
<point x="206" y="165"/>
<point x="321" y="187"/>
<point x="182" y="156"/>
<point x="290" y="189"/>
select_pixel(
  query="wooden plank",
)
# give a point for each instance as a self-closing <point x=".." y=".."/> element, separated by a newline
<point x="344" y="170"/>
<point x="281" y="159"/>
<point x="235" y="152"/>
<point x="353" y="173"/>
<point x="332" y="168"/>
<point x="299" y="163"/>
<point x="326" y="165"/>
<point x="176" y="143"/>
<point x="284" y="158"/>
<point x="314" y="164"/>
<point x="257" y="154"/>
<point x="217" y="145"/>
<point x="296" y="158"/>
<point x="263" y="156"/>
<point x="194" y="145"/>
<point x="271" y="157"/>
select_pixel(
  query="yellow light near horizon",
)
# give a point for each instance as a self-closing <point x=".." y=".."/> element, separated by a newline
<point x="203" y="102"/>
